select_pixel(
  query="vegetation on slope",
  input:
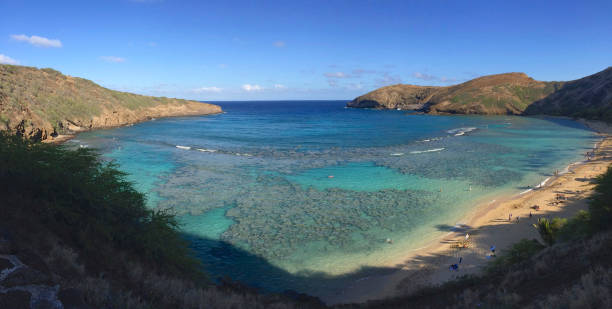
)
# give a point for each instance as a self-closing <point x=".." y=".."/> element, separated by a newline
<point x="510" y="93"/>
<point x="41" y="103"/>
<point x="77" y="223"/>
<point x="589" y="97"/>
<point x="395" y="96"/>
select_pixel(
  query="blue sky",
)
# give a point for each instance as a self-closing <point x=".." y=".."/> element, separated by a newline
<point x="260" y="50"/>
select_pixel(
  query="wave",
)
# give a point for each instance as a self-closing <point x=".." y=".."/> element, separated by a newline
<point x="206" y="150"/>
<point x="430" y="139"/>
<point x="543" y="183"/>
<point x="461" y="131"/>
<point x="428" y="150"/>
<point x="183" y="147"/>
<point x="397" y="154"/>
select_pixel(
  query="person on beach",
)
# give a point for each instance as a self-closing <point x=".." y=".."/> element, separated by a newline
<point x="510" y="217"/>
<point x="517" y="219"/>
<point x="530" y="215"/>
<point x="493" y="250"/>
<point x="460" y="259"/>
<point x="467" y="236"/>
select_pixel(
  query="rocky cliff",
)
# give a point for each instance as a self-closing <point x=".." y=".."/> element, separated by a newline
<point x="395" y="96"/>
<point x="510" y="93"/>
<point x="42" y="103"/>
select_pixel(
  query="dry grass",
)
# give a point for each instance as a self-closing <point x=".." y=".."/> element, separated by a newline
<point x="41" y="102"/>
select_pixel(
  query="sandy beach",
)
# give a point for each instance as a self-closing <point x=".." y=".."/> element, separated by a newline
<point x="501" y="224"/>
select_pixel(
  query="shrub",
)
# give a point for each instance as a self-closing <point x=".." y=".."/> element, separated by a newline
<point x="89" y="204"/>
<point x="601" y="204"/>
<point x="549" y="229"/>
<point x="519" y="252"/>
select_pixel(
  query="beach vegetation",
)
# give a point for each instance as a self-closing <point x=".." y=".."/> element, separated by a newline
<point x="517" y="253"/>
<point x="585" y="223"/>
<point x="600" y="206"/>
<point x="549" y="229"/>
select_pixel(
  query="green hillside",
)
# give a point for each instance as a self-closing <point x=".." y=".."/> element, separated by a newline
<point x="589" y="97"/>
<point x="502" y="94"/>
<point x="42" y="103"/>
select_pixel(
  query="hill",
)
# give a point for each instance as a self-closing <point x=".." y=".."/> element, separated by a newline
<point x="589" y="97"/>
<point x="43" y="103"/>
<point x="501" y="94"/>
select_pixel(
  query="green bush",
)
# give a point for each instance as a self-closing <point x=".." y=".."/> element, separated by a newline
<point x="601" y="204"/>
<point x="88" y="203"/>
<point x="576" y="227"/>
<point x="549" y="229"/>
<point x="519" y="252"/>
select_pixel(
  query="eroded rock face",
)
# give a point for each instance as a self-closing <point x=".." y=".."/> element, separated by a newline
<point x="407" y="97"/>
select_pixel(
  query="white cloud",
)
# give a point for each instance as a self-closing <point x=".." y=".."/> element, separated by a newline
<point x="336" y="75"/>
<point x="208" y="89"/>
<point x="249" y="87"/>
<point x="279" y="86"/>
<point x="112" y="59"/>
<point x="359" y="72"/>
<point x="37" y="41"/>
<point x="424" y="76"/>
<point x="279" y="44"/>
<point x="354" y="86"/>
<point x="428" y="77"/>
<point x="7" y="60"/>
<point x="388" y="79"/>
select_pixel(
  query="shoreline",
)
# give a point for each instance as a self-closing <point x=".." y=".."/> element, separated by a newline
<point x="488" y="224"/>
<point x="62" y="138"/>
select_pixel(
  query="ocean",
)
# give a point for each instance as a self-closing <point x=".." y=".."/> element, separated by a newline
<point x="310" y="195"/>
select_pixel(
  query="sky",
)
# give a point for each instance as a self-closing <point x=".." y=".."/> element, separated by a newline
<point x="277" y="50"/>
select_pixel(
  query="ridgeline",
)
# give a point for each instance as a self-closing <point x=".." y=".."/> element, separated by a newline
<point x="41" y="104"/>
<point x="502" y="94"/>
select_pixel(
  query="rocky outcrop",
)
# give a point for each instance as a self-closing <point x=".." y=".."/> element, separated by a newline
<point x="25" y="281"/>
<point x="394" y="97"/>
<point x="40" y="104"/>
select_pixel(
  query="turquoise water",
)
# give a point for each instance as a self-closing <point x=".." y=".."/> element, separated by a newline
<point x="304" y="194"/>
